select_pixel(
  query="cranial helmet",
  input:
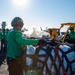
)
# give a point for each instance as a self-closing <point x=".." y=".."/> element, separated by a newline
<point x="16" y="20"/>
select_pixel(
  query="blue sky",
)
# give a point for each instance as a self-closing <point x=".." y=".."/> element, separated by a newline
<point x="39" y="13"/>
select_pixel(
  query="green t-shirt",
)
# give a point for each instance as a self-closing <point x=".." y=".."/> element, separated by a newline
<point x="15" y="42"/>
<point x="3" y="35"/>
<point x="72" y="35"/>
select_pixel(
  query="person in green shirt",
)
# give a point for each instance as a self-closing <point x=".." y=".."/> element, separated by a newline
<point x="71" y="36"/>
<point x="3" y="35"/>
<point x="15" y="43"/>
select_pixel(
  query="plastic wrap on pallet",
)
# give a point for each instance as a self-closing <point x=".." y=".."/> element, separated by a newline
<point x="64" y="47"/>
<point x="30" y="51"/>
<point x="67" y="55"/>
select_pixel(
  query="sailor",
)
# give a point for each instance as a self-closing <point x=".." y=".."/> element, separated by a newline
<point x="3" y="37"/>
<point x="16" y="43"/>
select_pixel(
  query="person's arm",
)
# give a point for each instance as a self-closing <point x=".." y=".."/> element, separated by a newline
<point x="18" y="38"/>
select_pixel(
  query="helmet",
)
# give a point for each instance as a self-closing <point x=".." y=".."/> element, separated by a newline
<point x="71" y="28"/>
<point x="3" y="23"/>
<point x="16" y="21"/>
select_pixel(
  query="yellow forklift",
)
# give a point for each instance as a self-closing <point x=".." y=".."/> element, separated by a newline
<point x="54" y="32"/>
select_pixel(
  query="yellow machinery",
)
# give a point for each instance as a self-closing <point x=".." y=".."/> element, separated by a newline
<point x="67" y="24"/>
<point x="54" y="32"/>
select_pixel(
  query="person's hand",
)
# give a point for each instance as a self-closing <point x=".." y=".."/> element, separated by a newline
<point x="42" y="42"/>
